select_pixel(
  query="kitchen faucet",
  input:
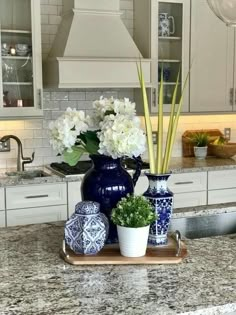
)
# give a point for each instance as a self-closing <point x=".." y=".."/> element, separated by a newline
<point x="21" y="160"/>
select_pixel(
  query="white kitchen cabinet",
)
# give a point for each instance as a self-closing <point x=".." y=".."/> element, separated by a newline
<point x="190" y="189"/>
<point x="170" y="51"/>
<point x="212" y="59"/>
<point x="36" y="215"/>
<point x="20" y="59"/>
<point x="36" y="203"/>
<point x="221" y="186"/>
<point x="2" y="199"/>
<point x="74" y="196"/>
<point x="36" y="196"/>
<point x="2" y="219"/>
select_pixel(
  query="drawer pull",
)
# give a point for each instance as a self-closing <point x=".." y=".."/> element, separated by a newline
<point x="183" y="183"/>
<point x="36" y="196"/>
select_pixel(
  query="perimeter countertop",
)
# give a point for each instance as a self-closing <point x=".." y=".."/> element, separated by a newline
<point x="35" y="280"/>
<point x="177" y="165"/>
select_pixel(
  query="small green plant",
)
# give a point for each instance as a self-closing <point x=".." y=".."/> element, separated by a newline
<point x="199" y="139"/>
<point x="133" y="211"/>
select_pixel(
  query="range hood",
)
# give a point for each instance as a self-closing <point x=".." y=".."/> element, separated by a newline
<point x="93" y="48"/>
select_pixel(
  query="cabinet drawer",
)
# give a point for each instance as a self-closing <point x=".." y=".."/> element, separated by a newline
<point x="2" y="199"/>
<point x="2" y="218"/>
<point x="187" y="182"/>
<point x="221" y="179"/>
<point x="178" y="183"/>
<point x="36" y="215"/>
<point x="36" y="196"/>
<point x="221" y="196"/>
<point x="191" y="199"/>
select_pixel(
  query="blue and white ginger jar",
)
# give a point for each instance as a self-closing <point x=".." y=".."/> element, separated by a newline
<point x="87" y="229"/>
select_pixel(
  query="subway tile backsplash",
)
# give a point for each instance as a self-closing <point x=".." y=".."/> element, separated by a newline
<point x="34" y="133"/>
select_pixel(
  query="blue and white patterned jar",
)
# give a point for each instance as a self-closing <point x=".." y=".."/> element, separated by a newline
<point x="162" y="200"/>
<point x="87" y="229"/>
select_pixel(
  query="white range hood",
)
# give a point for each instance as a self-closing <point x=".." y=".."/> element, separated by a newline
<point x="93" y="48"/>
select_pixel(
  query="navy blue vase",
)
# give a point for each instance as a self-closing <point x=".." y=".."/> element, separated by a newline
<point x="162" y="200"/>
<point x="107" y="182"/>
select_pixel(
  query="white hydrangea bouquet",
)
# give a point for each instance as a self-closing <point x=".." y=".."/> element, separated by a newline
<point x="113" y="130"/>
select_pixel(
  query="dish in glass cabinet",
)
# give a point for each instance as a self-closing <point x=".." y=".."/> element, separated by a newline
<point x="22" y="49"/>
<point x="5" y="49"/>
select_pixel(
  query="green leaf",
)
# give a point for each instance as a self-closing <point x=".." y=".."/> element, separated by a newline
<point x="73" y="157"/>
<point x="91" y="141"/>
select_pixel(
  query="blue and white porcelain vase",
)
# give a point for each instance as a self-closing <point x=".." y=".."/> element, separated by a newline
<point x="162" y="200"/>
<point x="87" y="229"/>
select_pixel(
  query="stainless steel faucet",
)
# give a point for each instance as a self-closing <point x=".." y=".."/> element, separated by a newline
<point x="21" y="160"/>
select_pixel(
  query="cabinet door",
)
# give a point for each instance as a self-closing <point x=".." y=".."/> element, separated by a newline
<point x="190" y="199"/>
<point x="20" y="59"/>
<point x="36" y="215"/>
<point x="173" y="48"/>
<point x="221" y="179"/>
<point x="74" y="195"/>
<point x="211" y="76"/>
<point x="2" y="219"/>
<point x="168" y="50"/>
<point x="2" y="199"/>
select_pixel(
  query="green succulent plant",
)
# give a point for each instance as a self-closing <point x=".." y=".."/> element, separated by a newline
<point x="199" y="139"/>
<point x="133" y="211"/>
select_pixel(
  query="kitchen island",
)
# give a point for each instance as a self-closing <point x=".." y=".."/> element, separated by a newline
<point x="35" y="280"/>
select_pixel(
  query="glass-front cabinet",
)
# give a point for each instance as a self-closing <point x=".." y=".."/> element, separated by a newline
<point x="20" y="57"/>
<point x="165" y="40"/>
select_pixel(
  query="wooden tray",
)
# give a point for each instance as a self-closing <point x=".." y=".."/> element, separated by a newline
<point x="187" y="146"/>
<point x="173" y="253"/>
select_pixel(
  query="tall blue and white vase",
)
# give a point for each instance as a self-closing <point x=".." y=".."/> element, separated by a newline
<point x="162" y="200"/>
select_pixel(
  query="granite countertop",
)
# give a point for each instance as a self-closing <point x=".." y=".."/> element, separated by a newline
<point x="34" y="280"/>
<point x="191" y="164"/>
<point x="177" y="165"/>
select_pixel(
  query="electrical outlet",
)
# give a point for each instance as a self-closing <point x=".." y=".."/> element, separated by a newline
<point x="154" y="137"/>
<point x="5" y="146"/>
<point x="227" y="133"/>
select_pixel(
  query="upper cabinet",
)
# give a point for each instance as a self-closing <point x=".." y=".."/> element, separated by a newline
<point x="212" y="56"/>
<point x="20" y="59"/>
<point x="162" y="34"/>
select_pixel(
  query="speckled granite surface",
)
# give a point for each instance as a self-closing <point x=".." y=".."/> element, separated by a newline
<point x="177" y="165"/>
<point x="181" y="165"/>
<point x="16" y="180"/>
<point x="204" y="210"/>
<point x="34" y="280"/>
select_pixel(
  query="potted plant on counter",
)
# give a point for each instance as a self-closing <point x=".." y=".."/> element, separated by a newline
<point x="159" y="156"/>
<point x="133" y="216"/>
<point x="200" y="141"/>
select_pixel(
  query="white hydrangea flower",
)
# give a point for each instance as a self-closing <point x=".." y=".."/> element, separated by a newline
<point x="64" y="131"/>
<point x="119" y="130"/>
<point x="116" y="106"/>
<point x="124" y="107"/>
<point x="121" y="136"/>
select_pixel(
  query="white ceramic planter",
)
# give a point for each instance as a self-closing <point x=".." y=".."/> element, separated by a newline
<point x="200" y="152"/>
<point x="133" y="241"/>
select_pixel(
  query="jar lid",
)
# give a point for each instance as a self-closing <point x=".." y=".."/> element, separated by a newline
<point x="87" y="207"/>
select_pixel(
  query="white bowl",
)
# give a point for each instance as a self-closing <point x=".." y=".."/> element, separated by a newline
<point x="5" y="49"/>
<point x="22" y="47"/>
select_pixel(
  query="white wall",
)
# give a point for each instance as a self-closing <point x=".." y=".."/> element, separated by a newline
<point x="34" y="133"/>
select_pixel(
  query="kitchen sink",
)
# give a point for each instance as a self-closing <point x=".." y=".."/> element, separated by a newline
<point x="28" y="174"/>
<point x="205" y="226"/>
